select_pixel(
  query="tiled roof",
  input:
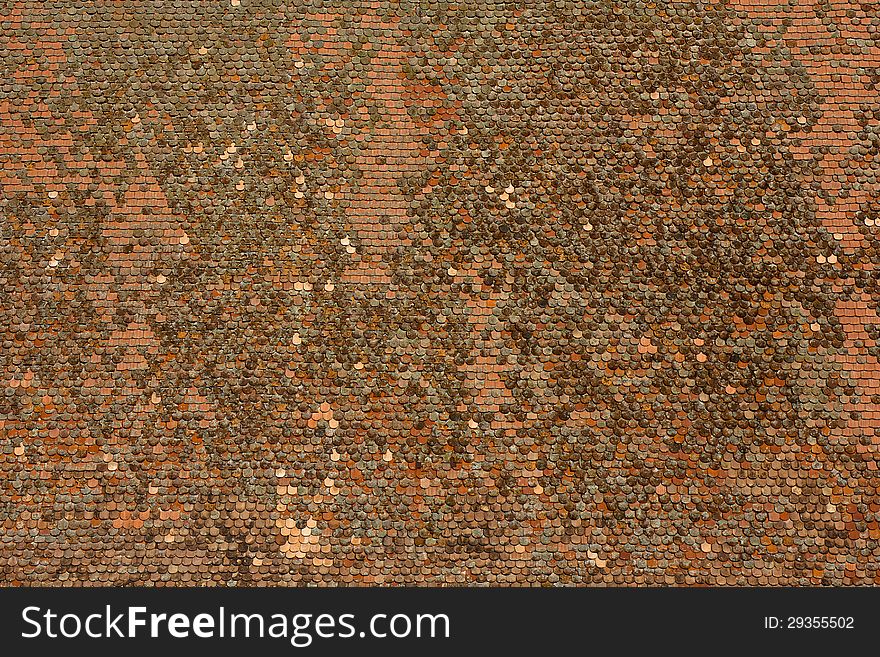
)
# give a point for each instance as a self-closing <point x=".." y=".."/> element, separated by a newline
<point x="377" y="292"/>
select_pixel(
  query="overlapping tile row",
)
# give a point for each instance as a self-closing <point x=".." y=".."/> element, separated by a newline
<point x="430" y="293"/>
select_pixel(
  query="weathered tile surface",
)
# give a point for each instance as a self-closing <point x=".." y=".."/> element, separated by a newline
<point x="301" y="292"/>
